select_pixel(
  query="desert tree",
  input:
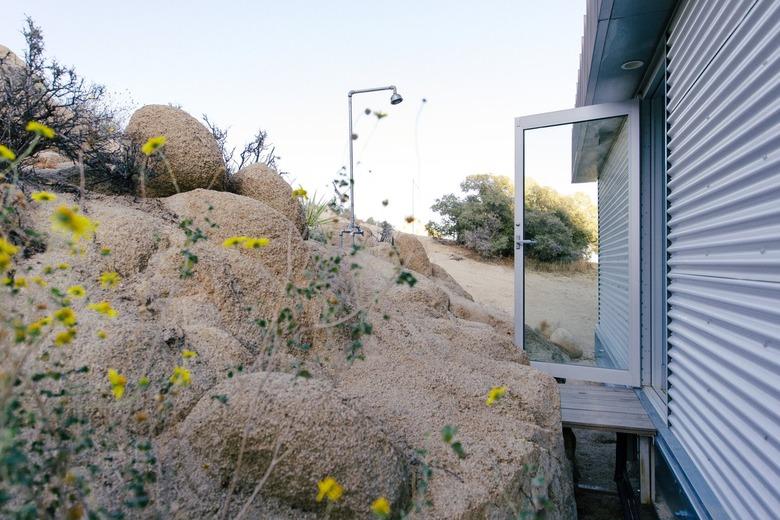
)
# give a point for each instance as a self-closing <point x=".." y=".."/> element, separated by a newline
<point x="41" y="89"/>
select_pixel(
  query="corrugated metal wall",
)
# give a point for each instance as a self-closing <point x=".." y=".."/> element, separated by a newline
<point x="723" y="77"/>
<point x="586" y="53"/>
<point x="612" y="329"/>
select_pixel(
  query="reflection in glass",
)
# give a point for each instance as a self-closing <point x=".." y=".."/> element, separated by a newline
<point x="576" y="250"/>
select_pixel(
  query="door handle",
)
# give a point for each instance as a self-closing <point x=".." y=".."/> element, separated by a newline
<point x="519" y="243"/>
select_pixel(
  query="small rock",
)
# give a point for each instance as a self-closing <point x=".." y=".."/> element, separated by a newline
<point x="566" y="341"/>
<point x="413" y="255"/>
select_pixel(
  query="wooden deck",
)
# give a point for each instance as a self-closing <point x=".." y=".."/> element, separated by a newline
<point x="614" y="409"/>
<point x="599" y="407"/>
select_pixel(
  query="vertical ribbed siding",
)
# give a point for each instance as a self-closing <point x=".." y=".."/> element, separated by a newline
<point x="586" y="54"/>
<point x="612" y="329"/>
<point x="724" y="247"/>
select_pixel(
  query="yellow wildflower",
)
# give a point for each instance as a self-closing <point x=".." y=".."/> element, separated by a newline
<point x="7" y="247"/>
<point x="300" y="193"/>
<point x="102" y="334"/>
<point x="20" y="331"/>
<point x="181" y="376"/>
<point x="103" y="308"/>
<point x="65" y="337"/>
<point x="37" y="280"/>
<point x="20" y="281"/>
<point x="42" y="196"/>
<point x="495" y="393"/>
<point x="109" y="279"/>
<point x="77" y="291"/>
<point x="6" y="153"/>
<point x="7" y="281"/>
<point x="62" y="267"/>
<point x="234" y="241"/>
<point x="34" y="328"/>
<point x="151" y="145"/>
<point x="328" y="487"/>
<point x="5" y="262"/>
<point x="40" y="129"/>
<point x="188" y="354"/>
<point x="105" y="251"/>
<point x="68" y="220"/>
<point x="66" y="315"/>
<point x="256" y="243"/>
<point x="118" y="383"/>
<point x="381" y="508"/>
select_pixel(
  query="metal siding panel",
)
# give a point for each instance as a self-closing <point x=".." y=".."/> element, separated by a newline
<point x="701" y="28"/>
<point x="613" y="319"/>
<point x="724" y="247"/>
<point x="591" y="22"/>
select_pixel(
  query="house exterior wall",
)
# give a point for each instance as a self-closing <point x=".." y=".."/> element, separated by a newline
<point x="612" y="329"/>
<point x="588" y="44"/>
<point x="723" y="237"/>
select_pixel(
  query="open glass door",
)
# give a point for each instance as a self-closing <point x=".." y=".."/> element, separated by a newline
<point x="577" y="242"/>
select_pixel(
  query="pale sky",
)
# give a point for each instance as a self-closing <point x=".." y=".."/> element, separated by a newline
<point x="286" y="66"/>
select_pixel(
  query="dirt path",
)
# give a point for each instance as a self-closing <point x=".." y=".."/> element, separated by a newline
<point x="563" y="300"/>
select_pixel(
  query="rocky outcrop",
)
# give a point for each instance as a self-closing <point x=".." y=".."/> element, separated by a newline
<point x="426" y="368"/>
<point x="235" y="215"/>
<point x="473" y="311"/>
<point x="50" y="160"/>
<point x="413" y="255"/>
<point x="318" y="433"/>
<point x="262" y="183"/>
<point x="564" y="339"/>
<point x="446" y="279"/>
<point x="11" y="66"/>
<point x="429" y="361"/>
<point x="190" y="150"/>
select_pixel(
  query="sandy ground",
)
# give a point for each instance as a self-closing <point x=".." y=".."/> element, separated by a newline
<point x="563" y="300"/>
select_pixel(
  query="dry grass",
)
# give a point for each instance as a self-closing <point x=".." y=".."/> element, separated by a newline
<point x="578" y="266"/>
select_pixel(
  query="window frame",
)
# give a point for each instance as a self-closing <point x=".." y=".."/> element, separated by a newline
<point x="631" y="376"/>
<point x="654" y="267"/>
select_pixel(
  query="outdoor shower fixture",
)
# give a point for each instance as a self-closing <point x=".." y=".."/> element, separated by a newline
<point x="353" y="229"/>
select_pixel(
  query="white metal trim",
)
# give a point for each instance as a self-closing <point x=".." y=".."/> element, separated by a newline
<point x="630" y="109"/>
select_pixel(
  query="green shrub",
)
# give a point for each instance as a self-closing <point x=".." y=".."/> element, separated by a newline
<point x="553" y="237"/>
<point x="483" y="219"/>
<point x="576" y="212"/>
<point x="564" y="227"/>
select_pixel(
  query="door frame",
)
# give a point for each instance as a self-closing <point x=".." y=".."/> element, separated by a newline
<point x="632" y="375"/>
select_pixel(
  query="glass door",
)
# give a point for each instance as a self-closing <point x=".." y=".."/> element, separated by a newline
<point x="577" y="242"/>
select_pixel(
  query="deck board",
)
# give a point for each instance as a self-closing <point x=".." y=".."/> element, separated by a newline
<point x="600" y="407"/>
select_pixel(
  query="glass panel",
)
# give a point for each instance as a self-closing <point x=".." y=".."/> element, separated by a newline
<point x="576" y="207"/>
